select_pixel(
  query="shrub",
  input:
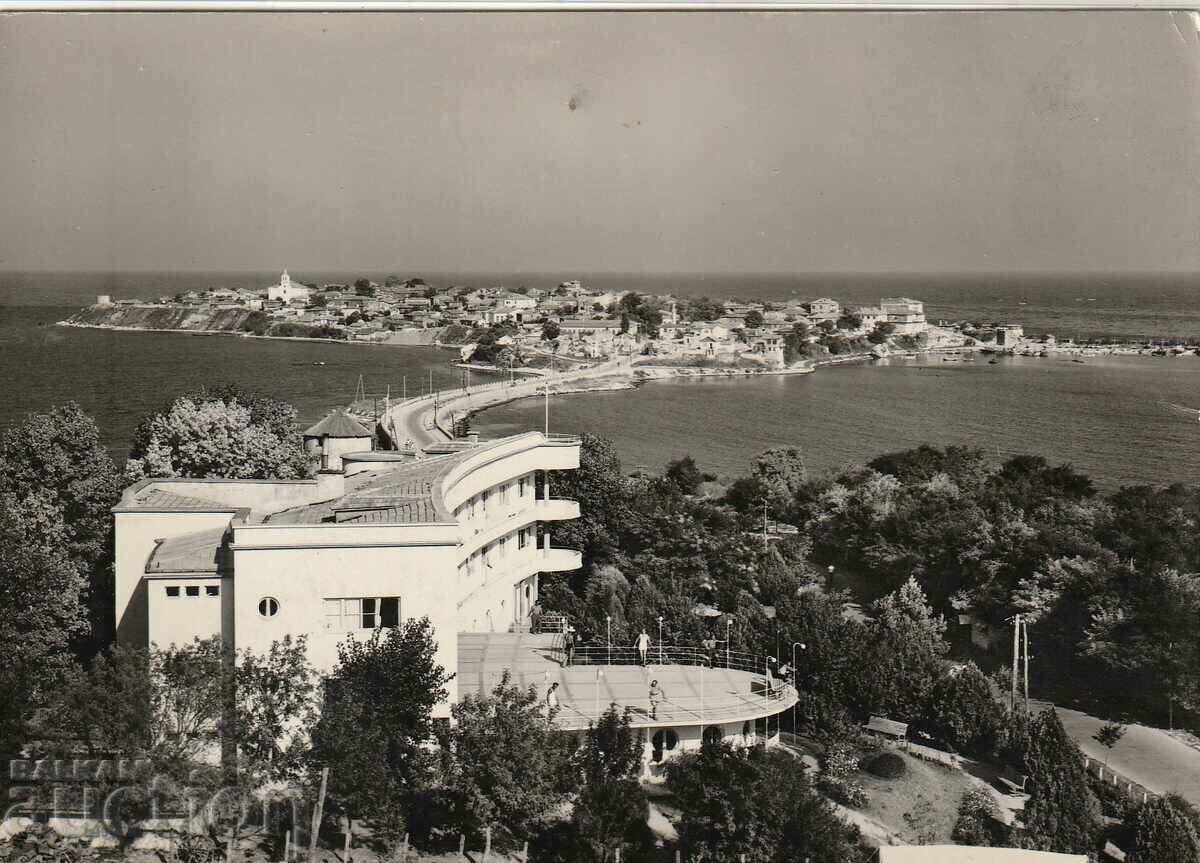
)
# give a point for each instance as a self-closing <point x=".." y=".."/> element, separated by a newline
<point x="1115" y="801"/>
<point x="888" y="765"/>
<point x="844" y="791"/>
<point x="978" y="821"/>
<point x="840" y="761"/>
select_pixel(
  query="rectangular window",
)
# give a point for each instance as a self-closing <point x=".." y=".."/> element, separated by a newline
<point x="504" y="493"/>
<point x="483" y="499"/>
<point x="389" y="612"/>
<point x="521" y="487"/>
<point x="522" y="537"/>
<point x="172" y="591"/>
<point x="502" y="547"/>
<point x="212" y="590"/>
<point x="193" y="591"/>
<point x="366" y="612"/>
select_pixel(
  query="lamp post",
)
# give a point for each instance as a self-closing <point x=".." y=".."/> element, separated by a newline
<point x="795" y="675"/>
<point x="608" y="629"/>
<point x="728" y="627"/>
<point x="660" y="653"/>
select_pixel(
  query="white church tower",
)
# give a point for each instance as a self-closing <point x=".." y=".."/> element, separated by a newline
<point x="285" y="291"/>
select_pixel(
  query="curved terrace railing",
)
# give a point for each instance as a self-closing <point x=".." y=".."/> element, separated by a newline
<point x="670" y="654"/>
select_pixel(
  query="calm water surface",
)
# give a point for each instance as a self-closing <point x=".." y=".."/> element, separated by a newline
<point x="1104" y="416"/>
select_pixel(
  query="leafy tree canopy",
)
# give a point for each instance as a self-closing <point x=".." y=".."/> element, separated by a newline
<point x="222" y="432"/>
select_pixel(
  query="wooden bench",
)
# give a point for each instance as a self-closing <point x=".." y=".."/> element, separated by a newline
<point x="1010" y="778"/>
<point x="887" y="727"/>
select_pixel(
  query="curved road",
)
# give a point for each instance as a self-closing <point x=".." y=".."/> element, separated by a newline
<point x="413" y="419"/>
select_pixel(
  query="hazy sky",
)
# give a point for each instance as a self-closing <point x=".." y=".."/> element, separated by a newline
<point x="591" y="142"/>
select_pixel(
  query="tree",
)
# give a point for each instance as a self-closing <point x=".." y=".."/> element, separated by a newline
<point x="58" y="457"/>
<point x="1061" y="814"/>
<point x="1108" y="736"/>
<point x="375" y="717"/>
<point x="600" y="482"/>
<point x="782" y="472"/>
<point x="979" y="821"/>
<point x="611" y="808"/>
<point x="880" y="332"/>
<point x="848" y="320"/>
<point x="684" y="475"/>
<point x="222" y="432"/>
<point x="275" y="709"/>
<point x="962" y="711"/>
<point x="550" y="331"/>
<point x="754" y="319"/>
<point x="511" y="768"/>
<point x="43" y="594"/>
<point x="902" y="654"/>
<point x="756" y="803"/>
<point x="1163" y="830"/>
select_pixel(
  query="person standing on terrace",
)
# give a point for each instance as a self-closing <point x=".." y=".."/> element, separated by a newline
<point x="656" y="697"/>
<point x="643" y="645"/>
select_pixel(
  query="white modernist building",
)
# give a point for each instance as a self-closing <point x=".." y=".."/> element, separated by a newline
<point x="461" y="535"/>
<point x="451" y="537"/>
<point x="286" y="291"/>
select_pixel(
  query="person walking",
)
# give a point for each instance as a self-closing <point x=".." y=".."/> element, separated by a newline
<point x="552" y="698"/>
<point x="569" y="645"/>
<point x="643" y="645"/>
<point x="657" y="696"/>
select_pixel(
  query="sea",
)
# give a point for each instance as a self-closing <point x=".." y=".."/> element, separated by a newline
<point x="1109" y="416"/>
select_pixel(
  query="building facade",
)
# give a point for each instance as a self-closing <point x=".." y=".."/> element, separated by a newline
<point x="907" y="316"/>
<point x="285" y="291"/>
<point x="461" y="538"/>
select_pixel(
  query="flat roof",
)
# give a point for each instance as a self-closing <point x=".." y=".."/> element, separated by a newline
<point x="694" y="695"/>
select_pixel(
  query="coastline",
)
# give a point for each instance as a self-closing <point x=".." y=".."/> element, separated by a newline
<point x="241" y="335"/>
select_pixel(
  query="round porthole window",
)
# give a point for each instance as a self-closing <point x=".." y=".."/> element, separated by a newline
<point x="268" y="606"/>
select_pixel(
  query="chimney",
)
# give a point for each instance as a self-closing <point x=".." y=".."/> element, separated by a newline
<point x="331" y="484"/>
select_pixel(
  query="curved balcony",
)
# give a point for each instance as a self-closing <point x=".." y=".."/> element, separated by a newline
<point x="701" y="687"/>
<point x="558" y="559"/>
<point x="557" y="509"/>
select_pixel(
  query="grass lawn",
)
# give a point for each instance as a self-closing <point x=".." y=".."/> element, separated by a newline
<point x="922" y="805"/>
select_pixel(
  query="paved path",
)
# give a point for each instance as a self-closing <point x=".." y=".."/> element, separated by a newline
<point x="1149" y="756"/>
<point x="414" y="418"/>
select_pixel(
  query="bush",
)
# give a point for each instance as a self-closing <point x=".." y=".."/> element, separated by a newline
<point x="978" y="821"/>
<point x="840" y="761"/>
<point x="888" y="765"/>
<point x="1115" y="801"/>
<point x="844" y="791"/>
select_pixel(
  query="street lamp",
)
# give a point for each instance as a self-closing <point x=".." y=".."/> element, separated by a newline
<point x="728" y="627"/>
<point x="795" y="679"/>
<point x="660" y="654"/>
<point x="608" y="629"/>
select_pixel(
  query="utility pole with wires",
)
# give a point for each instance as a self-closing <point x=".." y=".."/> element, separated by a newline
<point x="1016" y="662"/>
<point x="1025" y="651"/>
<point x="764" y="503"/>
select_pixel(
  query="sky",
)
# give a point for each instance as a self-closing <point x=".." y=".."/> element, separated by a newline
<point x="626" y="142"/>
